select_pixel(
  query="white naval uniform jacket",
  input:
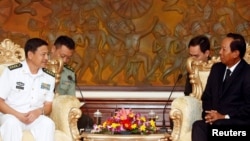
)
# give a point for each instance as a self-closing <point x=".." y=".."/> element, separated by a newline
<point x="24" y="91"/>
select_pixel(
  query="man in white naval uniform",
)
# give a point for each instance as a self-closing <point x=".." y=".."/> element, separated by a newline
<point x="27" y="91"/>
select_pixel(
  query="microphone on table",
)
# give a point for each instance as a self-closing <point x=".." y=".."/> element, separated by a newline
<point x="164" y="129"/>
<point x="85" y="122"/>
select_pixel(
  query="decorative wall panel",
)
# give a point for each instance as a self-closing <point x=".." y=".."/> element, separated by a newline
<point x="134" y="43"/>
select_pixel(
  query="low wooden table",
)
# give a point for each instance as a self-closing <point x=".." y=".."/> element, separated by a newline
<point x="103" y="137"/>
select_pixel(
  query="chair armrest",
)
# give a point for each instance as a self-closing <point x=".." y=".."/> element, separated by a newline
<point x="74" y="115"/>
<point x="65" y="113"/>
<point x="184" y="111"/>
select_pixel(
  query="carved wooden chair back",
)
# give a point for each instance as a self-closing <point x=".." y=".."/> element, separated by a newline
<point x="198" y="74"/>
<point x="10" y="53"/>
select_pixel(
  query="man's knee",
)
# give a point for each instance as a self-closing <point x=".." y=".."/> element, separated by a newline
<point x="197" y="125"/>
<point x="9" y="120"/>
<point x="47" y="122"/>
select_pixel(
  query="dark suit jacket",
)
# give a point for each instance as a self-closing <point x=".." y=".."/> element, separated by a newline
<point x="234" y="99"/>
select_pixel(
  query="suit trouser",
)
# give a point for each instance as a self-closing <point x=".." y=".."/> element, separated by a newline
<point x="201" y="130"/>
<point x="42" y="129"/>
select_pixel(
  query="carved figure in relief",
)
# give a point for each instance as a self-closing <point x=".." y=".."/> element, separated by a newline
<point x="95" y="40"/>
<point x="115" y="58"/>
<point x="24" y="7"/>
<point x="219" y="33"/>
<point x="131" y="38"/>
<point x="200" y="28"/>
<point x="101" y="7"/>
<point x="76" y="62"/>
<point x="171" y="5"/>
<point x="3" y="33"/>
<point x="244" y="29"/>
<point x="61" y="8"/>
<point x="192" y="13"/>
<point x="17" y="37"/>
<point x="177" y="53"/>
<point x="219" y="11"/>
<point x="243" y="8"/>
<point x="50" y="31"/>
<point x="58" y="25"/>
<point x="241" y="24"/>
<point x="6" y="11"/>
<point x="161" y="48"/>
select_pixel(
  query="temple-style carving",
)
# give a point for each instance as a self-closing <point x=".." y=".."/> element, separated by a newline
<point x="105" y="59"/>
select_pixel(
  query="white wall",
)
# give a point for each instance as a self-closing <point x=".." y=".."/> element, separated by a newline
<point x="160" y="95"/>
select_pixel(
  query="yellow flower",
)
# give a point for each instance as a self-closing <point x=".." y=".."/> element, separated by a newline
<point x="143" y="128"/>
<point x="135" y="123"/>
<point x="134" y="126"/>
<point x="152" y="123"/>
<point x="143" y="119"/>
<point x="104" y="124"/>
<point x="114" y="125"/>
<point x="131" y="115"/>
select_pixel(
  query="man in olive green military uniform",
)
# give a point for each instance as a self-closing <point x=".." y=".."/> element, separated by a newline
<point x="64" y="48"/>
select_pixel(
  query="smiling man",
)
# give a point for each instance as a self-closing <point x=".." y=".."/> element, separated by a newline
<point x="27" y="92"/>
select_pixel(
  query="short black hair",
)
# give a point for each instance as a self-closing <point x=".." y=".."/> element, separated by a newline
<point x="65" y="40"/>
<point x="32" y="45"/>
<point x="238" y="43"/>
<point x="202" y="41"/>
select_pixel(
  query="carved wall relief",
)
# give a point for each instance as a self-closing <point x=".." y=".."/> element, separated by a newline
<point x="126" y="42"/>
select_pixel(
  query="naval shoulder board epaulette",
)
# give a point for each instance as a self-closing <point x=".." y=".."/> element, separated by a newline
<point x="49" y="72"/>
<point x="69" y="67"/>
<point x="15" y="66"/>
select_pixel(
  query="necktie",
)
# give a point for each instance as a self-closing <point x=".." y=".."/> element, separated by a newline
<point x="226" y="77"/>
<point x="228" y="72"/>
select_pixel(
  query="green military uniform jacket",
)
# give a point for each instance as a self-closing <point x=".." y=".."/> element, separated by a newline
<point x="67" y="86"/>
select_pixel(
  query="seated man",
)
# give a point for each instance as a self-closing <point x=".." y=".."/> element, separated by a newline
<point x="226" y="98"/>
<point x="199" y="48"/>
<point x="27" y="91"/>
<point x="64" y="48"/>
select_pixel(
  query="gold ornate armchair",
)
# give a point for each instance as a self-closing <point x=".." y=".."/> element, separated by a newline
<point x="185" y="110"/>
<point x="65" y="109"/>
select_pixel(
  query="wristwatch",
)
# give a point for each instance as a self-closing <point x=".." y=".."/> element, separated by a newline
<point x="227" y="117"/>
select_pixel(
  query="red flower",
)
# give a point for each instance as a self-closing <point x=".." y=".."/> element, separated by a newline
<point x="126" y="124"/>
<point x="127" y="120"/>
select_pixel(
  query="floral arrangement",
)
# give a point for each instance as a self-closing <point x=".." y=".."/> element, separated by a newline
<point x="125" y="121"/>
